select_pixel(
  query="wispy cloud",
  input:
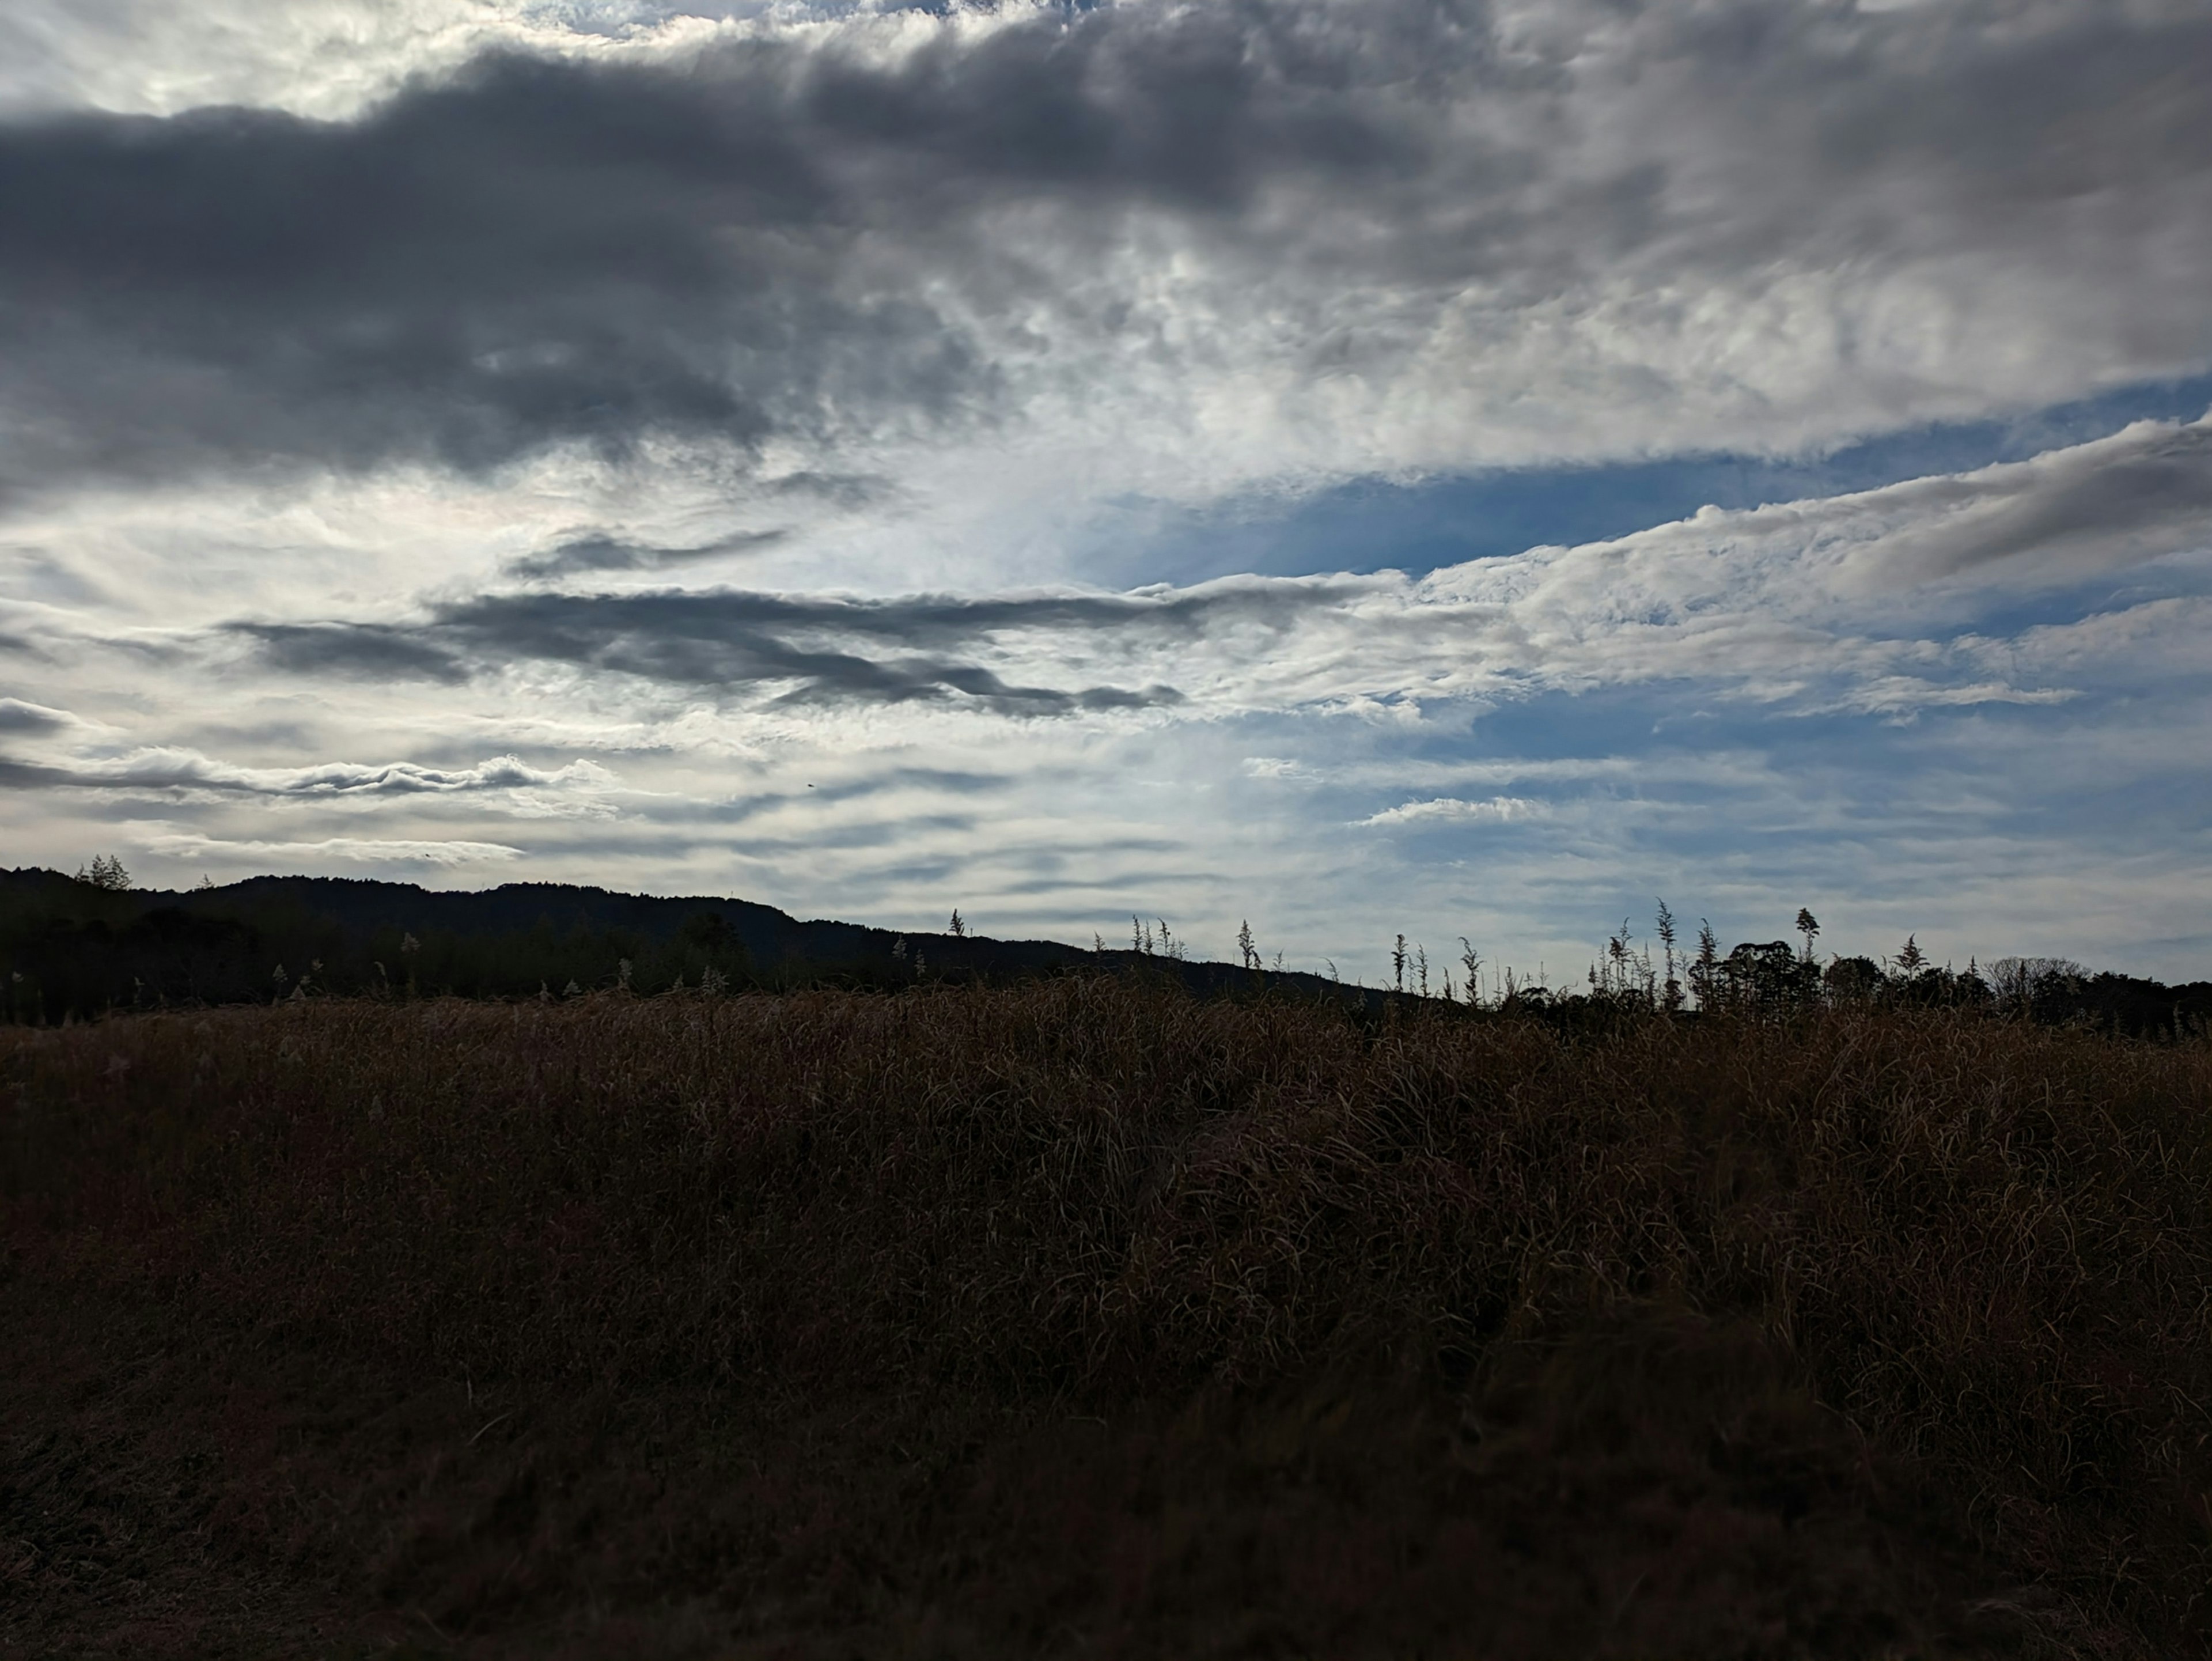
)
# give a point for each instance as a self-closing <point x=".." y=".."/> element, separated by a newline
<point x="1499" y="810"/>
<point x="178" y="770"/>
<point x="352" y="850"/>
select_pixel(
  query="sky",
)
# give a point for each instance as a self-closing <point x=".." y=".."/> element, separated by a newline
<point x="1359" y="466"/>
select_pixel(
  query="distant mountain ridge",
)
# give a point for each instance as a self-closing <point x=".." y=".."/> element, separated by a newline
<point x="73" y="948"/>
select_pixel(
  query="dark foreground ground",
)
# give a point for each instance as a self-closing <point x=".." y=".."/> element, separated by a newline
<point x="1085" y="1318"/>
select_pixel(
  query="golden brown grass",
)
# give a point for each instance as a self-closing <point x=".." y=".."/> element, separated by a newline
<point x="1084" y="1317"/>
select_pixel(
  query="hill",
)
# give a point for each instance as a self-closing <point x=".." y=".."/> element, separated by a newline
<point x="70" y="947"/>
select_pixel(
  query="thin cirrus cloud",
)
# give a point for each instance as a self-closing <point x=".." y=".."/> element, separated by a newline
<point x="1498" y="810"/>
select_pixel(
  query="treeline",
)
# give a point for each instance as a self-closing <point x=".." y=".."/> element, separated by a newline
<point x="73" y="947"/>
<point x="1774" y="977"/>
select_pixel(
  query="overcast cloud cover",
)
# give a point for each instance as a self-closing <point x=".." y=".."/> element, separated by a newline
<point x="1062" y="461"/>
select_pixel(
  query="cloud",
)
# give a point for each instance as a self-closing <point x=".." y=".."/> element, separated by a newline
<point x="353" y="850"/>
<point x="1499" y="810"/>
<point x="167" y="769"/>
<point x="1818" y="605"/>
<point x="368" y="650"/>
<point x="315" y="56"/>
<point x="1238" y="241"/>
<point x="2151" y="643"/>
<point x="2140" y="493"/>
<point x="414" y="285"/>
<point x="1907" y="694"/>
<point x="603" y="553"/>
<point x="17" y="716"/>
<point x="727" y="639"/>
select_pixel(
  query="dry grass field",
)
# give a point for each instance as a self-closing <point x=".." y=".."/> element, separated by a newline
<point x="1086" y="1318"/>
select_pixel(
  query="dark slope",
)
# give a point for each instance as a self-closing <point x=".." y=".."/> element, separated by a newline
<point x="69" y="947"/>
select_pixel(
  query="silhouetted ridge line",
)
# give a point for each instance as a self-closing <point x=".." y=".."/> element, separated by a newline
<point x="72" y="947"/>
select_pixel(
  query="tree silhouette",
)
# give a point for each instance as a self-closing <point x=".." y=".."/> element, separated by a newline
<point x="105" y="873"/>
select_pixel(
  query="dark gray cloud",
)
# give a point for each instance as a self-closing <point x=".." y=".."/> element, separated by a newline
<point x="17" y="716"/>
<point x="602" y="553"/>
<point x="31" y="776"/>
<point x="535" y="252"/>
<point x="541" y="251"/>
<point x="367" y="650"/>
<point x="784" y="237"/>
<point x="2142" y="492"/>
<point x="826" y="650"/>
<point x="845" y="490"/>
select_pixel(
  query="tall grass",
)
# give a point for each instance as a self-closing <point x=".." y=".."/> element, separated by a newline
<point x="1987" y="1246"/>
